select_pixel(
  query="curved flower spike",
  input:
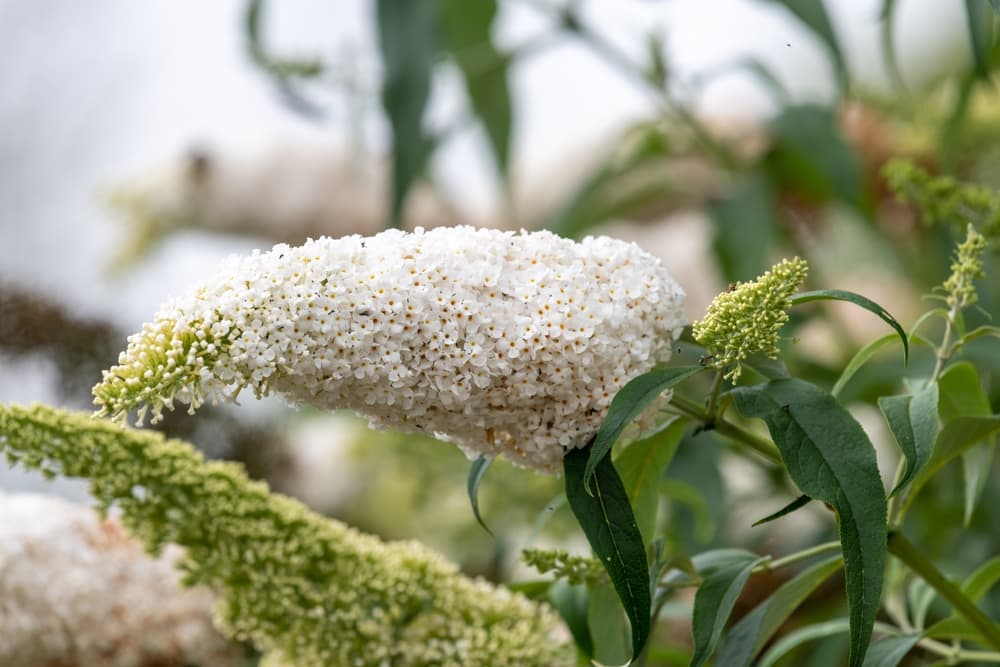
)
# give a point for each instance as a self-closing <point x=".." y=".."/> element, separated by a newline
<point x="746" y="319"/>
<point x="501" y="342"/>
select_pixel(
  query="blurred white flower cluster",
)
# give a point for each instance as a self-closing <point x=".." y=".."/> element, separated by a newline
<point x="500" y="342"/>
<point x="76" y="590"/>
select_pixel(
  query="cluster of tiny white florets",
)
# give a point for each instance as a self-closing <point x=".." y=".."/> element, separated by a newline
<point x="500" y="342"/>
<point x="77" y="590"/>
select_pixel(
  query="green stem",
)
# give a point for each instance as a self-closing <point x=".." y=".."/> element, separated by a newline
<point x="791" y="559"/>
<point x="904" y="550"/>
<point x="762" y="446"/>
<point x="713" y="395"/>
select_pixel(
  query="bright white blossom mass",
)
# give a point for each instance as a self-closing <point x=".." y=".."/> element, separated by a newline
<point x="501" y="342"/>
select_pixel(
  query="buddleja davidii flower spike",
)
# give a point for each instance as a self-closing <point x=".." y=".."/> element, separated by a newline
<point x="313" y="589"/>
<point x="503" y="343"/>
<point x="960" y="288"/>
<point x="746" y="319"/>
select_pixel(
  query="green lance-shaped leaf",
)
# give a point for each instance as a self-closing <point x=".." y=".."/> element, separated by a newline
<point x="858" y="300"/>
<point x="628" y="404"/>
<point x="975" y="586"/>
<point x="745" y="224"/>
<point x="407" y="42"/>
<point x="467" y="27"/>
<point x="831" y="459"/>
<point x="641" y="467"/>
<point x="476" y="473"/>
<point x="720" y="588"/>
<point x="746" y="639"/>
<point x="608" y="522"/>
<point x="963" y="396"/>
<point x="796" y="504"/>
<point x="979" y="19"/>
<point x="913" y="422"/>
<point x="572" y="603"/>
<point x="890" y="651"/>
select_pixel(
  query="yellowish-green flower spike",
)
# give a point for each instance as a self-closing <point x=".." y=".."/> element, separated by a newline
<point x="314" y="590"/>
<point x="746" y="319"/>
<point x="960" y="288"/>
<point x="575" y="569"/>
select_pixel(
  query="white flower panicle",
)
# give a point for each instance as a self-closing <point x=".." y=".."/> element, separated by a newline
<point x="501" y="342"/>
<point x="76" y="590"/>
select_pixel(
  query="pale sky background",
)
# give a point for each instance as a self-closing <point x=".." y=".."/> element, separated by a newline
<point x="96" y="92"/>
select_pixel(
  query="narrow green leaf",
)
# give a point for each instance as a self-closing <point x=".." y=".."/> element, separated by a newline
<point x="628" y="404"/>
<point x="607" y="520"/>
<point x="749" y="636"/>
<point x="744" y="228"/>
<point x="798" y="503"/>
<point x="963" y="396"/>
<point x="641" y="466"/>
<point x="476" y="473"/>
<point x="572" y="602"/>
<point x="859" y="359"/>
<point x="607" y="627"/>
<point x="979" y="19"/>
<point x="484" y="69"/>
<point x="693" y="498"/>
<point x="890" y="651"/>
<point x="714" y="601"/>
<point x="830" y="458"/>
<point x="913" y="422"/>
<point x="813" y="14"/>
<point x="407" y="42"/>
<point x="858" y="300"/>
<point x="797" y="638"/>
<point x="956" y="437"/>
<point x="975" y="587"/>
<point x="979" y="332"/>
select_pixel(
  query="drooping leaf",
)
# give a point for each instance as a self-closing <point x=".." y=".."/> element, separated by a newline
<point x="798" y="503"/>
<point x="720" y="587"/>
<point x="476" y="472"/>
<point x="628" y="404"/>
<point x="572" y="603"/>
<point x="979" y="20"/>
<point x="913" y="422"/>
<point x="407" y="37"/>
<point x="608" y="627"/>
<point x="641" y="466"/>
<point x="746" y="639"/>
<point x="863" y="302"/>
<point x="608" y="522"/>
<point x="813" y="14"/>
<point x="745" y="225"/>
<point x="830" y="458"/>
<point x="963" y="396"/>
<point x="484" y="69"/>
<point x="890" y="651"/>
<point x="811" y="158"/>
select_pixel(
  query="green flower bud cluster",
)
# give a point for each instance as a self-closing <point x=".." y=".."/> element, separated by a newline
<point x="943" y="200"/>
<point x="314" y="590"/>
<point x="960" y="288"/>
<point x="745" y="320"/>
<point x="574" y="569"/>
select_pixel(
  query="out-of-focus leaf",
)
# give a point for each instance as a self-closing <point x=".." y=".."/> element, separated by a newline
<point x="797" y="638"/>
<point x="963" y="396"/>
<point x="746" y="639"/>
<point x="798" y="503"/>
<point x="407" y="37"/>
<point x="608" y="522"/>
<point x="628" y="404"/>
<point x="860" y="359"/>
<point x="484" y="69"/>
<point x="975" y="587"/>
<point x="813" y="14"/>
<point x="890" y="651"/>
<point x="913" y="422"/>
<point x="572" y="603"/>
<point x="829" y="457"/>
<point x="476" y="472"/>
<point x="714" y="601"/>
<point x="857" y="300"/>
<point x="744" y="224"/>
<point x="641" y="466"/>
<point x="607" y="627"/>
<point x="979" y="20"/>
<point x="812" y="159"/>
<point x="691" y="497"/>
